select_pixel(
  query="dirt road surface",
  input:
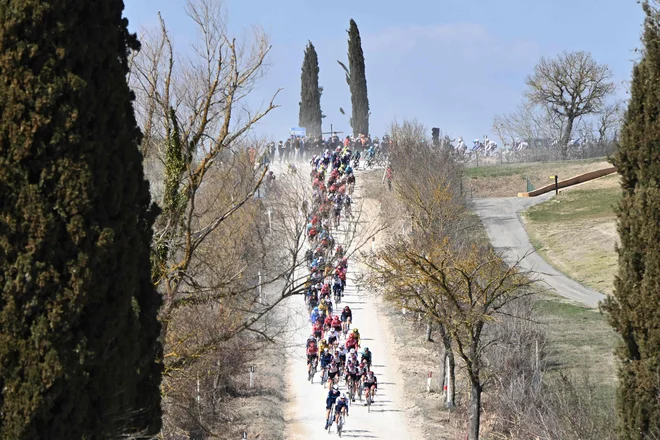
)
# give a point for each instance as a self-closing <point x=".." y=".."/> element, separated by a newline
<point x="506" y="233"/>
<point x="305" y="415"/>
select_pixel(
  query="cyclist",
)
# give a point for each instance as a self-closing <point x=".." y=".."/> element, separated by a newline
<point x="312" y="355"/>
<point x="340" y="251"/>
<point x="323" y="345"/>
<point x="366" y="357"/>
<point x="352" y="342"/>
<point x="333" y="395"/>
<point x="361" y="374"/>
<point x="352" y="374"/>
<point x="346" y="317"/>
<point x="326" y="358"/>
<point x="341" y="352"/>
<point x="370" y="385"/>
<point x="317" y="329"/>
<point x="336" y="323"/>
<point x="328" y="303"/>
<point x="341" y="406"/>
<point x="323" y="307"/>
<point x="336" y="286"/>
<point x="333" y="369"/>
<point x="310" y="340"/>
<point x="314" y="315"/>
<point x="333" y="337"/>
<point x="356" y="333"/>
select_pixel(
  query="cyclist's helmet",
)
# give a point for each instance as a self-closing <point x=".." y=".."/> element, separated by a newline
<point x="352" y="351"/>
<point x="347" y="308"/>
<point x="325" y="350"/>
<point x="335" y="387"/>
<point x="366" y="348"/>
<point x="355" y="330"/>
<point x="371" y="374"/>
<point x="316" y="309"/>
<point x="341" y="347"/>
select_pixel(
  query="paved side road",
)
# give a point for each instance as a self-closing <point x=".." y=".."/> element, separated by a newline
<point x="506" y="233"/>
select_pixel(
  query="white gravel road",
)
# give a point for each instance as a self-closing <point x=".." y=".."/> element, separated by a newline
<point x="500" y="217"/>
<point x="305" y="415"/>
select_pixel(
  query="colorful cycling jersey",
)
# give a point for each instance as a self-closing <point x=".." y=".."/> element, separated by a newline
<point x="334" y="366"/>
<point x="346" y="314"/>
<point x="341" y="403"/>
<point x="326" y="358"/>
<point x="366" y="355"/>
<point x="351" y="368"/>
<point x="333" y="395"/>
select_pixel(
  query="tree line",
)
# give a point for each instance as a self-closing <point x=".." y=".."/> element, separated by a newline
<point x="311" y="116"/>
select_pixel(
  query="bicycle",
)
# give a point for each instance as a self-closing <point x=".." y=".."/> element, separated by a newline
<point x="324" y="377"/>
<point x="312" y="371"/>
<point x="331" y="418"/>
<point x="360" y="390"/>
<point x="349" y="385"/>
<point x="370" y="399"/>
<point x="345" y="328"/>
<point x="340" y="423"/>
<point x="337" y="295"/>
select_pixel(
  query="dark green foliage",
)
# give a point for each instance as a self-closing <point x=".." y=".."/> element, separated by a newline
<point x="79" y="350"/>
<point x="310" y="93"/>
<point x="357" y="80"/>
<point x="635" y="308"/>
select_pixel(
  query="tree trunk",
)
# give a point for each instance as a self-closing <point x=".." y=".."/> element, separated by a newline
<point x="448" y="377"/>
<point x="566" y="137"/>
<point x="475" y="407"/>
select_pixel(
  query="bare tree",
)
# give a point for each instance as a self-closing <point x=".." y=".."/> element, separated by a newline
<point x="529" y="123"/>
<point x="571" y="86"/>
<point x="610" y="120"/>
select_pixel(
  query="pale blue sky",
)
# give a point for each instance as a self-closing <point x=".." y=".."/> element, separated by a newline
<point x="450" y="64"/>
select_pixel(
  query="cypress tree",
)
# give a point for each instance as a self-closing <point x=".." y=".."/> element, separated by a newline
<point x="357" y="80"/>
<point x="634" y="309"/>
<point x="79" y="350"/>
<point x="310" y="93"/>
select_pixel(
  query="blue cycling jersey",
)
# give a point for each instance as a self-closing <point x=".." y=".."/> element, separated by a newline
<point x="333" y="395"/>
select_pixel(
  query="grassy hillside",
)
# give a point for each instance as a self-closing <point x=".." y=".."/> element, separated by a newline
<point x="576" y="232"/>
<point x="510" y="179"/>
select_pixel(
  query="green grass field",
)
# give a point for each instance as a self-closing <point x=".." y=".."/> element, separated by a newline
<point x="509" y="179"/>
<point x="581" y="342"/>
<point x="576" y="232"/>
<point x="576" y="205"/>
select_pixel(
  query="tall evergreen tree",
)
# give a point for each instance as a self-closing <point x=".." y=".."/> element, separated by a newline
<point x="634" y="309"/>
<point x="357" y="82"/>
<point x="310" y="93"/>
<point x="79" y="350"/>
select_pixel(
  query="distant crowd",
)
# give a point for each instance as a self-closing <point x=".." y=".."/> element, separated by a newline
<point x="304" y="148"/>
